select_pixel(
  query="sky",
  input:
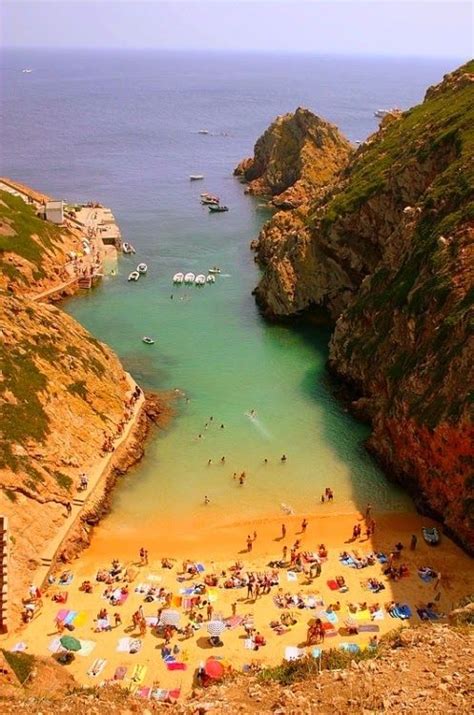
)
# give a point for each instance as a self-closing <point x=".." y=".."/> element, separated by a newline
<point x="433" y="28"/>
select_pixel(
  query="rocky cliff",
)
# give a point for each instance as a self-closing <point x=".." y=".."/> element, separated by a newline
<point x="387" y="253"/>
<point x="298" y="154"/>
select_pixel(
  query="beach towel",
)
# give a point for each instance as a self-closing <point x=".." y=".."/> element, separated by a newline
<point x="176" y="666"/>
<point x="141" y="588"/>
<point x="212" y="594"/>
<point x="368" y="628"/>
<point x="122" y="599"/>
<point x="120" y="672"/>
<point x="80" y="619"/>
<point x="97" y="667"/>
<point x="331" y="616"/>
<point x="200" y="568"/>
<point x="177" y="601"/>
<point x="163" y="695"/>
<point x="361" y="616"/>
<point x="138" y="674"/>
<point x="382" y="557"/>
<point x="103" y="624"/>
<point x="233" y="621"/>
<point x="347" y="561"/>
<point x="189" y="591"/>
<point x="151" y="620"/>
<point x="154" y="577"/>
<point x="293" y="653"/>
<point x="378" y="615"/>
<point x="86" y="647"/>
<point x="143" y="692"/>
<point x="349" y="647"/>
<point x="249" y="644"/>
<point x="19" y="647"/>
<point x="403" y="612"/>
<point x="333" y="585"/>
<point x="70" y="617"/>
<point x="61" y="614"/>
<point x="54" y="645"/>
<point x="291" y="576"/>
<point x="123" y="645"/>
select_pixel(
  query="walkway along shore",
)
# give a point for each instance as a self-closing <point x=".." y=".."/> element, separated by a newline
<point x="84" y="502"/>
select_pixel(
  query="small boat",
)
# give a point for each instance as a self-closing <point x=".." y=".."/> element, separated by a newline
<point x="210" y="279"/>
<point x="134" y="276"/>
<point x="147" y="340"/>
<point x="214" y="269"/>
<point x="128" y="248"/>
<point x="210" y="200"/>
<point x="203" y="131"/>
<point x="196" y="177"/>
<point x="200" y="280"/>
<point x="178" y="278"/>
<point x="287" y="509"/>
<point x="189" y="278"/>
<point x="27" y="70"/>
<point x="142" y="268"/>
<point x="216" y="208"/>
<point x="431" y="535"/>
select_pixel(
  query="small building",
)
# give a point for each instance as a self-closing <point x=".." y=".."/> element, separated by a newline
<point x="54" y="211"/>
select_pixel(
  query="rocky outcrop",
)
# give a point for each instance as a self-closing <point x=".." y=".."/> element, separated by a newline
<point x="387" y="253"/>
<point x="297" y="154"/>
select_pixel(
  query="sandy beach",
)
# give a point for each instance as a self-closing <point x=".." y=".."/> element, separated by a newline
<point x="217" y="550"/>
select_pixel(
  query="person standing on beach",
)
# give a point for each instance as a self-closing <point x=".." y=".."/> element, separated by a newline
<point x="249" y="543"/>
<point x="209" y="611"/>
<point x="368" y="511"/>
<point x="285" y="552"/>
<point x="142" y="556"/>
<point x="68" y="508"/>
<point x="413" y="542"/>
<point x="304" y="525"/>
<point x="283" y="531"/>
<point x="254" y="535"/>
<point x="234" y="608"/>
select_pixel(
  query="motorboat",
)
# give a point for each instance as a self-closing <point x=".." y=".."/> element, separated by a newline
<point x="210" y="279"/>
<point x="216" y="208"/>
<point x="27" y="70"/>
<point x="200" y="280"/>
<point x="214" y="269"/>
<point x="134" y="276"/>
<point x="147" y="340"/>
<point x="128" y="248"/>
<point x="142" y="268"/>
<point x="196" y="177"/>
<point x="210" y="201"/>
<point x="203" y="131"/>
<point x="178" y="278"/>
<point x="431" y="535"/>
<point x="189" y="278"/>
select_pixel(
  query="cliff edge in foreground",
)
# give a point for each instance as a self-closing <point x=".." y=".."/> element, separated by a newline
<point x="387" y="253"/>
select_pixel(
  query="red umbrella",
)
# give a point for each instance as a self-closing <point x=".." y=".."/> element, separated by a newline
<point x="214" y="668"/>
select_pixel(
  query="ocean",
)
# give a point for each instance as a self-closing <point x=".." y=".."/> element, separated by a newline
<point x="122" y="128"/>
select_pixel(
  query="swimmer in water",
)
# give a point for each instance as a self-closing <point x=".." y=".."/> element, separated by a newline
<point x="206" y="500"/>
<point x="222" y="460"/>
<point x="283" y="458"/>
<point x="252" y="413"/>
<point x="222" y="426"/>
<point x="209" y="462"/>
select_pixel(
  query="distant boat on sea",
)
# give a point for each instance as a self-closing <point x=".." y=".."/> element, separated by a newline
<point x="27" y="70"/>
<point x="203" y="131"/>
<point x="196" y="177"/>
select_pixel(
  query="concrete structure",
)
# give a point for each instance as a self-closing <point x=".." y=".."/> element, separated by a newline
<point x="3" y="573"/>
<point x="54" y="211"/>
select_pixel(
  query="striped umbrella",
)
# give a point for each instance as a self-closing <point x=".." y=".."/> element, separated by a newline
<point x="215" y="628"/>
<point x="169" y="618"/>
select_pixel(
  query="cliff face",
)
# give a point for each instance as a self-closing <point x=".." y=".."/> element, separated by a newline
<point x="387" y="252"/>
<point x="34" y="254"/>
<point x="296" y="155"/>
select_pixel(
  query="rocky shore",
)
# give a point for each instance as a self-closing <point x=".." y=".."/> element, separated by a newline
<point x="384" y="250"/>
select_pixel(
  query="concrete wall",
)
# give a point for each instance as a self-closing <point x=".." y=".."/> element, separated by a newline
<point x="3" y="573"/>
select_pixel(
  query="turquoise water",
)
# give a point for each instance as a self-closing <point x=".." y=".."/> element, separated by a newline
<point x="122" y="128"/>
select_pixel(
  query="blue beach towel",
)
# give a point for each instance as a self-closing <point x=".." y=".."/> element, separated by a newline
<point x="70" y="617"/>
<point x="402" y="612"/>
<point x="348" y="561"/>
<point x="331" y="616"/>
<point x="382" y="558"/>
<point x="200" y="568"/>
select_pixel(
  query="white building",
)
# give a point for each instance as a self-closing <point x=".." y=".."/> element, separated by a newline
<point x="54" y="211"/>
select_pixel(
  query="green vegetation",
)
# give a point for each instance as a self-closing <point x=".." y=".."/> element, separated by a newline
<point x="78" y="388"/>
<point x="23" y="221"/>
<point x="292" y="671"/>
<point x="63" y="480"/>
<point x="22" y="664"/>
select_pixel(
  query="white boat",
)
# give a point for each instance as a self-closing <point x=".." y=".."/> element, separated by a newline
<point x="128" y="248"/>
<point x="147" y="340"/>
<point x="210" y="279"/>
<point x="203" y="131"/>
<point x="214" y="269"/>
<point x="200" y="280"/>
<point x="134" y="276"/>
<point x="178" y="278"/>
<point x="189" y="278"/>
<point x="142" y="268"/>
<point x="196" y="177"/>
<point x="27" y="70"/>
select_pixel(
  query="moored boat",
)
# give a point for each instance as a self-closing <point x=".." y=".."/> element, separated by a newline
<point x="196" y="177"/>
<point x="210" y="201"/>
<point x="210" y="279"/>
<point x="189" y="278"/>
<point x="431" y="535"/>
<point x="203" y="131"/>
<point x="214" y="269"/>
<point x="128" y="248"/>
<point x="178" y="278"/>
<point x="134" y="276"/>
<point x="200" y="280"/>
<point x="142" y="268"/>
<point x="216" y="208"/>
<point x="147" y="340"/>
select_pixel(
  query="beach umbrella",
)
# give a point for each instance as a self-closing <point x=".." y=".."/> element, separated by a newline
<point x="169" y="618"/>
<point x="214" y="668"/>
<point x="70" y="643"/>
<point x="215" y="628"/>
